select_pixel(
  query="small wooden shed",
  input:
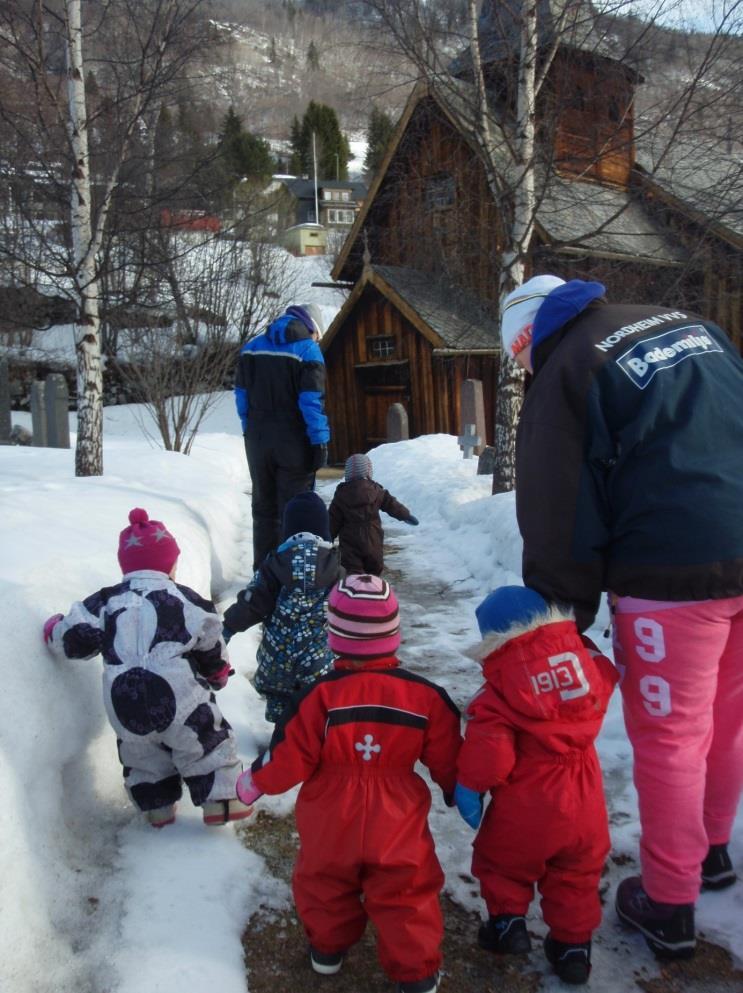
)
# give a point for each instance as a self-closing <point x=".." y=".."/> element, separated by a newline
<point x="402" y="337"/>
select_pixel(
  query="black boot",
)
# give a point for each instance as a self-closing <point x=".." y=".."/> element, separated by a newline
<point x="717" y="869"/>
<point x="571" y="962"/>
<point x="668" y="927"/>
<point x="505" y="934"/>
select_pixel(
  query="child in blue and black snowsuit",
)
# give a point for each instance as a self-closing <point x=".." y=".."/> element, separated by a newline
<point x="288" y="594"/>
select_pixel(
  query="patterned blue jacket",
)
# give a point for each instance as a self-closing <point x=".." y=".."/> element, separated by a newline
<point x="288" y="595"/>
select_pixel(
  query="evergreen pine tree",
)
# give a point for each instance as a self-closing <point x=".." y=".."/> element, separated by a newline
<point x="295" y="141"/>
<point x="313" y="57"/>
<point x="378" y="135"/>
<point x="333" y="150"/>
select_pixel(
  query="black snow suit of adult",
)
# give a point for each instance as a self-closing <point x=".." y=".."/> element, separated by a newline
<point x="279" y="393"/>
<point x="629" y="456"/>
<point x="354" y="519"/>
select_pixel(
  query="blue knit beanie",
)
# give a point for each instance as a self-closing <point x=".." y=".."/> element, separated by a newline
<point x="507" y="607"/>
<point x="306" y="512"/>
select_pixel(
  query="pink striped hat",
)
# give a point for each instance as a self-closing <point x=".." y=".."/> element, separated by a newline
<point x="363" y="618"/>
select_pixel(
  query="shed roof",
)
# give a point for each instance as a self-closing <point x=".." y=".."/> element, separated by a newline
<point x="448" y="316"/>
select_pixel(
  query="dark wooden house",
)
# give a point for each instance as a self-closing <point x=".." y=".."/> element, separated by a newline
<point x="403" y="338"/>
<point x="431" y="225"/>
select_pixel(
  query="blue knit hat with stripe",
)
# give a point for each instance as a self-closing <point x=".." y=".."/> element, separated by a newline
<point x="508" y="607"/>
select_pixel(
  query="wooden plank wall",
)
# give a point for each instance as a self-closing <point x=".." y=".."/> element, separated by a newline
<point x="435" y="381"/>
<point x="461" y="239"/>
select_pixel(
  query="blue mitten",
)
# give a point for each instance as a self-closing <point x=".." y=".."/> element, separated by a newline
<point x="469" y="805"/>
<point x="226" y="634"/>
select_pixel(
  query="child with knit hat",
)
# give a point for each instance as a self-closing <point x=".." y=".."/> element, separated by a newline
<point x="163" y="658"/>
<point x="355" y="520"/>
<point x="529" y="741"/>
<point x="353" y="739"/>
<point x="288" y="594"/>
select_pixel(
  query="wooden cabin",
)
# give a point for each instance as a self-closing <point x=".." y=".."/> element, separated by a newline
<point x="401" y="338"/>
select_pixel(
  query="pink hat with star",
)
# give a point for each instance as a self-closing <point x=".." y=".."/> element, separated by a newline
<point x="146" y="544"/>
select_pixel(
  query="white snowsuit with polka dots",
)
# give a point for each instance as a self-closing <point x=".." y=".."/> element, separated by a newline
<point x="161" y="643"/>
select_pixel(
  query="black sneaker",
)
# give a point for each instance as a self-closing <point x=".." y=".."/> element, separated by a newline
<point x="505" y="934"/>
<point x="428" y="985"/>
<point x="717" y="869"/>
<point x="668" y="927"/>
<point x="326" y="963"/>
<point x="571" y="962"/>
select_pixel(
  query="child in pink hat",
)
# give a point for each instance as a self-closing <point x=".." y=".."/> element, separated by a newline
<point x="163" y="657"/>
<point x="353" y="738"/>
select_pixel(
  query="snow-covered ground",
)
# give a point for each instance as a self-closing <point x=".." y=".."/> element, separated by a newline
<point x="93" y="899"/>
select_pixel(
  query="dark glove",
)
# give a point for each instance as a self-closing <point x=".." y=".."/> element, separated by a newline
<point x="411" y="520"/>
<point x="469" y="804"/>
<point x="226" y="634"/>
<point x="319" y="456"/>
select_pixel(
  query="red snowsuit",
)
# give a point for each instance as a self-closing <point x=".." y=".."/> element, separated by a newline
<point x="353" y="739"/>
<point x="530" y="741"/>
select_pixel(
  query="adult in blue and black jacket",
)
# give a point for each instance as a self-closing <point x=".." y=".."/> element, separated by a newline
<point x="629" y="479"/>
<point x="279" y="393"/>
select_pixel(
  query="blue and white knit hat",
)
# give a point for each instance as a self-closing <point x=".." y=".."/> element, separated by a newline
<point x="358" y="466"/>
<point x="508" y="607"/>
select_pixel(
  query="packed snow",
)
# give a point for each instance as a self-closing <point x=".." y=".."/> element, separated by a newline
<point x="94" y="899"/>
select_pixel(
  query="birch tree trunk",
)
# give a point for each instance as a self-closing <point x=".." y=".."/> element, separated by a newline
<point x="510" y="390"/>
<point x="89" y="448"/>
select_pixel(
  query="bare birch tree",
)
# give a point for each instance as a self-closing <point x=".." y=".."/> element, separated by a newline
<point x="141" y="47"/>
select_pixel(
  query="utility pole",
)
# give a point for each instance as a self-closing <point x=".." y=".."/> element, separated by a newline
<point x="314" y="170"/>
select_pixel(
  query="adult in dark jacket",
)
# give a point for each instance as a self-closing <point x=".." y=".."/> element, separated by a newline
<point x="630" y="480"/>
<point x="279" y="393"/>
<point x="354" y="517"/>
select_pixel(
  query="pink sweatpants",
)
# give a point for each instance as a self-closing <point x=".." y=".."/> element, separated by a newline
<point x="682" y="689"/>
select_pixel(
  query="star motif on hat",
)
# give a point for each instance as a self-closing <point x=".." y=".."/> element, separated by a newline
<point x="161" y="533"/>
<point x="132" y="540"/>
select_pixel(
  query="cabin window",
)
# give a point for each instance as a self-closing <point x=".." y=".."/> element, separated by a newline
<point x="345" y="195"/>
<point x="381" y="346"/>
<point x="440" y="191"/>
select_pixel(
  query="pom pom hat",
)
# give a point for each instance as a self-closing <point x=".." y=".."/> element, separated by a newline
<point x="520" y="308"/>
<point x="146" y="544"/>
<point x="508" y="607"/>
<point x="306" y="512"/>
<point x="363" y="618"/>
<point x="358" y="467"/>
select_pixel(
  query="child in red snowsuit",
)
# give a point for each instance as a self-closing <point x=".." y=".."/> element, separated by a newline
<point x="352" y="739"/>
<point x="529" y="740"/>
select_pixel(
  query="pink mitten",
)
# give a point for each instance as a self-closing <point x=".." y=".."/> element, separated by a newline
<point x="247" y="791"/>
<point x="218" y="680"/>
<point x="49" y="626"/>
